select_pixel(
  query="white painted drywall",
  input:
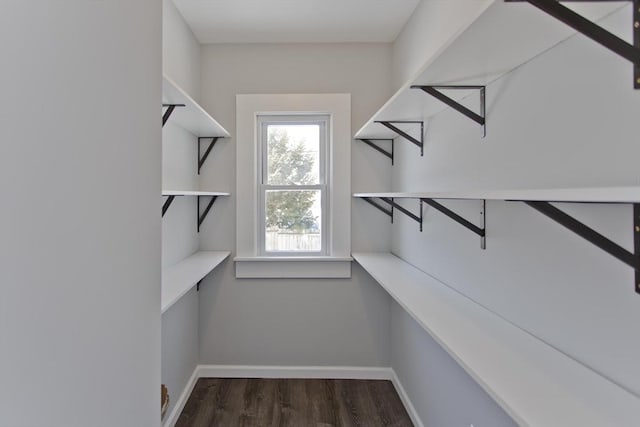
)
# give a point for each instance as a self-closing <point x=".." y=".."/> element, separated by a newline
<point x="566" y="118"/>
<point x="294" y="322"/>
<point x="80" y="223"/>
<point x="432" y="24"/>
<point x="442" y="393"/>
<point x="181" y="62"/>
<point x="180" y="51"/>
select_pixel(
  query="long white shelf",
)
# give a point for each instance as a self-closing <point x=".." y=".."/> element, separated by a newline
<point x="192" y="117"/>
<point x="178" y="279"/>
<point x="629" y="194"/>
<point x="193" y="193"/>
<point x="501" y="38"/>
<point x="534" y="383"/>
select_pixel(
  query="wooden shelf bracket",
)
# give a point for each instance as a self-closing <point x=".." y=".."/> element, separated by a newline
<point x="478" y="118"/>
<point x="391" y="125"/>
<point x="370" y="143"/>
<point x="596" y="32"/>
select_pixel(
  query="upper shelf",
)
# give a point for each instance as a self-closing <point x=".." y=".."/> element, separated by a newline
<point x="580" y="194"/>
<point x="178" y="279"/>
<point x="501" y="38"/>
<point x="193" y="193"/>
<point x="536" y="384"/>
<point x="192" y="117"/>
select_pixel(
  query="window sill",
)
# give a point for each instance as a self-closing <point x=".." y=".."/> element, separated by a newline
<point x="327" y="267"/>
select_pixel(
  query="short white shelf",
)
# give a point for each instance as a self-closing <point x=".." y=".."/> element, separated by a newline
<point x="629" y="194"/>
<point x="534" y="383"/>
<point x="178" y="279"/>
<point x="502" y="37"/>
<point x="193" y="193"/>
<point x="192" y="117"/>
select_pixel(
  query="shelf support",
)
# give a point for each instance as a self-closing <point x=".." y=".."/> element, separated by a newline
<point x="478" y="118"/>
<point x="596" y="32"/>
<point x="167" y="203"/>
<point x="392" y="126"/>
<point x="592" y="236"/>
<point x="480" y="231"/>
<point x="393" y="205"/>
<point x="202" y="217"/>
<point x="203" y="157"/>
<point x="369" y="142"/>
<point x="388" y="212"/>
<point x="168" y="111"/>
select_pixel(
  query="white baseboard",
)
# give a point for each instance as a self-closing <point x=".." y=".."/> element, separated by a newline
<point x="411" y="410"/>
<point x="329" y="372"/>
<point x="172" y="418"/>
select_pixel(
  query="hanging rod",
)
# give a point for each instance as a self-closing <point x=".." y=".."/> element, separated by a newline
<point x="480" y="231"/>
<point x="203" y="157"/>
<point x="631" y="52"/>
<point x="592" y="236"/>
<point x="168" y="111"/>
<point x="478" y="118"/>
<point x="369" y="142"/>
<point x="390" y="124"/>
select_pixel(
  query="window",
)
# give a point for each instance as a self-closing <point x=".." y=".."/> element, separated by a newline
<point x="293" y="185"/>
<point x="293" y="215"/>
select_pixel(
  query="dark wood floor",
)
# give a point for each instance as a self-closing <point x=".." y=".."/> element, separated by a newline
<point x="293" y="403"/>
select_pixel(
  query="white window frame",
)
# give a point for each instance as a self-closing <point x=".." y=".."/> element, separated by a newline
<point x="250" y="261"/>
<point x="263" y="121"/>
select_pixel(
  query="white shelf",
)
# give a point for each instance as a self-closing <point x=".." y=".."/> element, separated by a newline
<point x="193" y="193"/>
<point x="178" y="279"/>
<point x="534" y="383"/>
<point x="192" y="117"/>
<point x="503" y="37"/>
<point x="579" y="194"/>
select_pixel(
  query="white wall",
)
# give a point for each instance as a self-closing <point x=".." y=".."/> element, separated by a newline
<point x="566" y="118"/>
<point x="294" y="322"/>
<point x="431" y="26"/>
<point x="180" y="51"/>
<point x="80" y="223"/>
<point x="181" y="62"/>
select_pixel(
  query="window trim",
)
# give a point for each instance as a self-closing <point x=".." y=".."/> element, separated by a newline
<point x="249" y="262"/>
<point x="324" y="185"/>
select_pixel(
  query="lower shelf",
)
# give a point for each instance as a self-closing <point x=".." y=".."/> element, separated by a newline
<point x="178" y="279"/>
<point x="534" y="383"/>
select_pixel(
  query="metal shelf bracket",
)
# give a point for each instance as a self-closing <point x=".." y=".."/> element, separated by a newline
<point x="369" y="142"/>
<point x="167" y="203"/>
<point x="201" y="217"/>
<point x="480" y="231"/>
<point x="592" y="236"/>
<point x="391" y="124"/>
<point x="596" y="32"/>
<point x="203" y="157"/>
<point x="393" y="205"/>
<point x="478" y="118"/>
<point x="168" y="111"/>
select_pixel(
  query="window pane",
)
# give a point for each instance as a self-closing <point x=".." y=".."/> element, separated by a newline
<point x="293" y="154"/>
<point x="293" y="221"/>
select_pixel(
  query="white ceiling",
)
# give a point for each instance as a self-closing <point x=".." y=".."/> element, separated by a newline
<point x="296" y="21"/>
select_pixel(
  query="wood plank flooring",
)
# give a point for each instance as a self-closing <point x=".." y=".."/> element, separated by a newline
<point x="293" y="403"/>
